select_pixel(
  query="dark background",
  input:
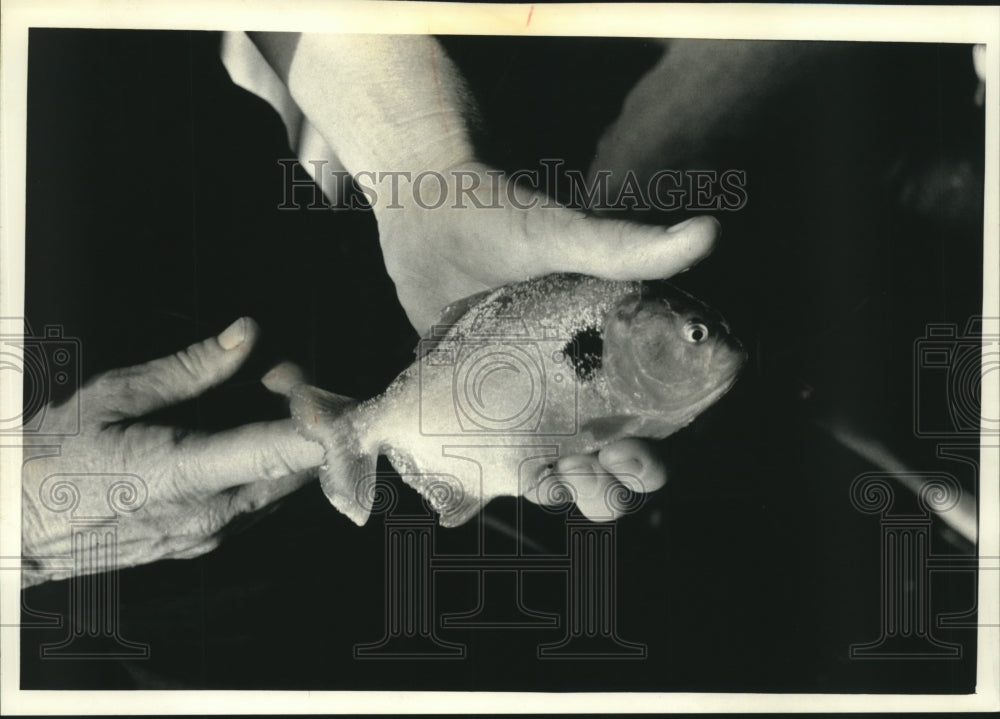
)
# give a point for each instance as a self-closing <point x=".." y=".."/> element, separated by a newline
<point x="152" y="222"/>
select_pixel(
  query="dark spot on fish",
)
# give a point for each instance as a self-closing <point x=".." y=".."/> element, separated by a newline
<point x="585" y="351"/>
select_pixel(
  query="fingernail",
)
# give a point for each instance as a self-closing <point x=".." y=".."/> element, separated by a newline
<point x="632" y="467"/>
<point x="233" y="335"/>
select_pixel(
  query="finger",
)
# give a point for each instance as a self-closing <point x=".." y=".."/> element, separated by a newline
<point x="265" y="451"/>
<point x="592" y="488"/>
<point x="624" y="250"/>
<point x="550" y="491"/>
<point x="192" y="552"/>
<point x="258" y="496"/>
<point x="135" y="391"/>
<point x="237" y="509"/>
<point x="230" y="512"/>
<point x="636" y="463"/>
<point x="283" y="377"/>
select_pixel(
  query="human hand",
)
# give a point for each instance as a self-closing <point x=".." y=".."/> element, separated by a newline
<point x="441" y="249"/>
<point x="437" y="256"/>
<point x="177" y="491"/>
<point x="404" y="136"/>
<point x="412" y="116"/>
<point x="595" y="483"/>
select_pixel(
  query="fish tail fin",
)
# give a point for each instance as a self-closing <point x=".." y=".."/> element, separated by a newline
<point x="348" y="474"/>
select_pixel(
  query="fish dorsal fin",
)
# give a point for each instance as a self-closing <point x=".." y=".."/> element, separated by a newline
<point x="448" y="317"/>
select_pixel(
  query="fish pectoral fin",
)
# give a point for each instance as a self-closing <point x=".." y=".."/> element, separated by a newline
<point x="449" y="316"/>
<point x="461" y="512"/>
<point x="445" y="494"/>
<point x="348" y="474"/>
<point x="448" y="496"/>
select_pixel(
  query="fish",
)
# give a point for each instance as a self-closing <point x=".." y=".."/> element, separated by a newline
<point x="510" y="379"/>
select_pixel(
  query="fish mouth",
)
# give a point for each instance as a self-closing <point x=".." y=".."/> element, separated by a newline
<point x="738" y="361"/>
<point x="722" y="389"/>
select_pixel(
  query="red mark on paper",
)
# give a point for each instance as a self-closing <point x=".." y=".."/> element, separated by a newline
<point x="530" y="11"/>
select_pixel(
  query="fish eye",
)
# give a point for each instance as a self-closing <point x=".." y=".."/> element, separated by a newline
<point x="695" y="332"/>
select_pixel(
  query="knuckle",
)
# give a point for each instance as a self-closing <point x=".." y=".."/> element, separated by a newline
<point x="179" y="434"/>
<point x="238" y="501"/>
<point x="191" y="362"/>
<point x="214" y="518"/>
<point x="105" y="383"/>
<point x="115" y="391"/>
<point x="251" y="502"/>
<point x="272" y="463"/>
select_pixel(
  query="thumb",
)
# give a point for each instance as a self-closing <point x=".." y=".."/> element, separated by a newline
<point x="135" y="391"/>
<point x="625" y="250"/>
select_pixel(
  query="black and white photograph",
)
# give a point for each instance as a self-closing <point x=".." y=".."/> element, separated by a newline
<point x="419" y="357"/>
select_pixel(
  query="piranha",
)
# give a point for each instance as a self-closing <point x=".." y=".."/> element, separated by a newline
<point x="510" y="379"/>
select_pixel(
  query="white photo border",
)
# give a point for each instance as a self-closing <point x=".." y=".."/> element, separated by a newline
<point x="980" y="25"/>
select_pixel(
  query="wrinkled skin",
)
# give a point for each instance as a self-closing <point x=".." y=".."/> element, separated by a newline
<point x="190" y="487"/>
